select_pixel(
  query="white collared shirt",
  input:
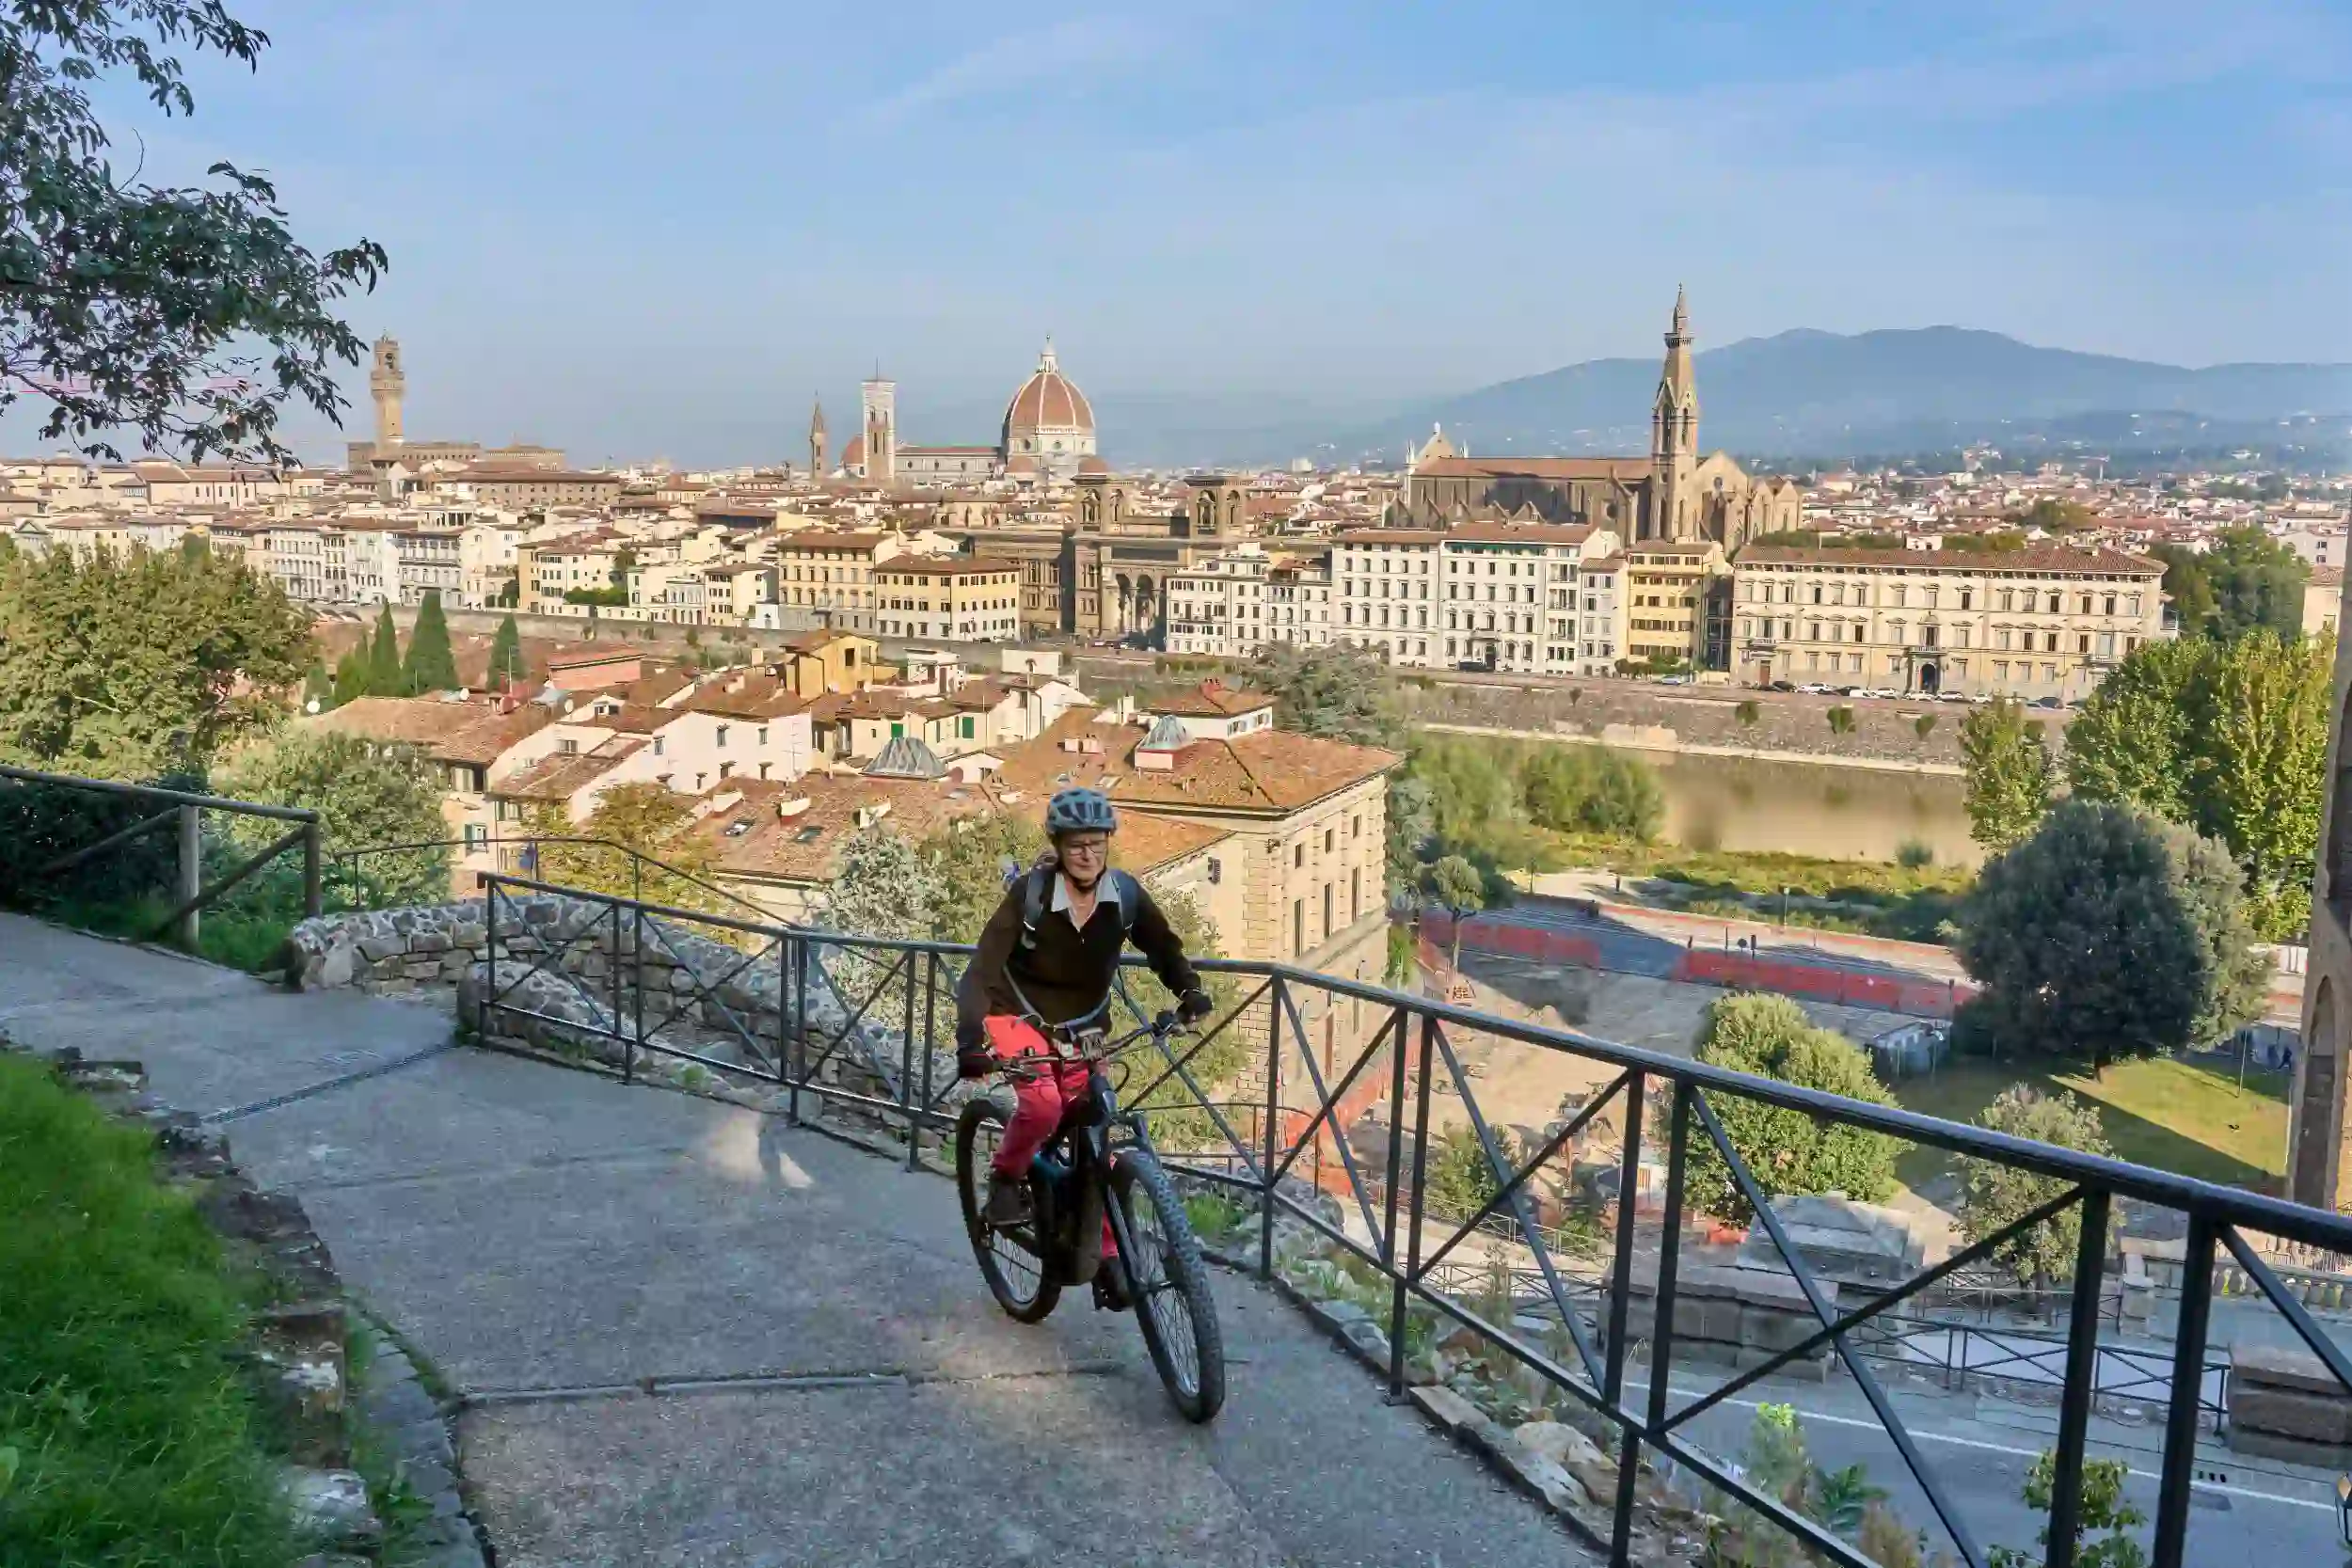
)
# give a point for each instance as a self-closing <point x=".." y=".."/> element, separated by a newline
<point x="1105" y="889"/>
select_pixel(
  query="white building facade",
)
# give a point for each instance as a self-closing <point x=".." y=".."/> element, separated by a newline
<point x="1245" y="599"/>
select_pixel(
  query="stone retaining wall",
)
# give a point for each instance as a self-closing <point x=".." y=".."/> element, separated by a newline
<point x="563" y="959"/>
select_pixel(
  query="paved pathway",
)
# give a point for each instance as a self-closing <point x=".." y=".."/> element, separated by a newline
<point x="605" y="1271"/>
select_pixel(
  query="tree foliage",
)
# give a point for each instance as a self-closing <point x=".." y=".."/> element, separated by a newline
<point x="968" y="858"/>
<point x="1410" y="825"/>
<point x="1340" y="692"/>
<point x="431" y="666"/>
<point x="2108" y="934"/>
<point x="506" y="655"/>
<point x="1457" y="885"/>
<point x="1786" y="1151"/>
<point x="2245" y="582"/>
<point x="638" y="824"/>
<point x="1498" y="802"/>
<point x="1994" y="1196"/>
<point x="2053" y="514"/>
<point x="2229" y="738"/>
<point x="386" y="678"/>
<point x="367" y="797"/>
<point x="123" y="666"/>
<point x="2009" y="773"/>
<point x="1459" y="1179"/>
<point x="2101" y="1507"/>
<point x="186" y="314"/>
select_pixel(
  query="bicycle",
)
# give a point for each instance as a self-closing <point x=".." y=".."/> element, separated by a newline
<point x="1079" y="1180"/>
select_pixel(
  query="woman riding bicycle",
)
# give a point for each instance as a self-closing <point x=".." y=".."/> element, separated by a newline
<point x="1044" y="964"/>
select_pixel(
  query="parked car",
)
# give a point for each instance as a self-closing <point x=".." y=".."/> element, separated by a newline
<point x="1953" y="697"/>
<point x="1781" y="686"/>
<point x="1817" y="689"/>
<point x="2045" y="702"/>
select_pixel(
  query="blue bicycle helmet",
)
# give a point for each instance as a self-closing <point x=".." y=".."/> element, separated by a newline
<point x="1080" y="811"/>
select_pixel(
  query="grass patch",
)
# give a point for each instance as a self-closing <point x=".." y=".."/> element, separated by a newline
<point x="1909" y="902"/>
<point x="247" y="940"/>
<point x="135" y="1439"/>
<point x="2185" y="1117"/>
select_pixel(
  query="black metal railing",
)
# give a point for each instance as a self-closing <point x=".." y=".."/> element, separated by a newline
<point x="353" y="877"/>
<point x="755" y="987"/>
<point x="193" y="881"/>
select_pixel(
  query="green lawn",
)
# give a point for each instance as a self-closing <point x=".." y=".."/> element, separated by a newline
<point x="2176" y="1116"/>
<point x="127" y="1434"/>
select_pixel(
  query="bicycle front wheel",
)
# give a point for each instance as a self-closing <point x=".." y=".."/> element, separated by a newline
<point x="1012" y="1259"/>
<point x="1169" y="1281"/>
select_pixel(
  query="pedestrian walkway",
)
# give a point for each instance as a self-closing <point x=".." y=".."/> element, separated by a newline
<point x="688" y="1335"/>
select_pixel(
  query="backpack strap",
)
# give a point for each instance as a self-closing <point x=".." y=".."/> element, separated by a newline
<point x="1036" y="890"/>
<point x="1037" y="895"/>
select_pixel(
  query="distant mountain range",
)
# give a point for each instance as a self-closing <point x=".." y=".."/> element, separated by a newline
<point x="1820" y="395"/>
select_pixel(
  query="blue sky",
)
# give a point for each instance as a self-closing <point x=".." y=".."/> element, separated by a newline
<point x="637" y="229"/>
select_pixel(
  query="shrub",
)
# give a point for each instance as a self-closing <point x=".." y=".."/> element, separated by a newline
<point x="1786" y="1151"/>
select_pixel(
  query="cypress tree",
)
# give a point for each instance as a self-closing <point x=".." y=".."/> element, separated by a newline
<point x="383" y="674"/>
<point x="506" y="655"/>
<point x="431" y="666"/>
<point x="351" y="676"/>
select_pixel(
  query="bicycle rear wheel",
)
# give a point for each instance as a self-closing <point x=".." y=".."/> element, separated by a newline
<point x="1012" y="1260"/>
<point x="1169" y="1282"/>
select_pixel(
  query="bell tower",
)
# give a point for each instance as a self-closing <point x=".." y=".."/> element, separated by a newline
<point x="1674" y="441"/>
<point x="817" y="440"/>
<point x="389" y="385"/>
<point x="880" y="399"/>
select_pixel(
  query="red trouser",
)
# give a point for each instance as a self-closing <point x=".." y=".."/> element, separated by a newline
<point x="1040" y="1103"/>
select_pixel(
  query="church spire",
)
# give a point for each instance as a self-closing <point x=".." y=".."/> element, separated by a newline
<point x="817" y="439"/>
<point x="1675" y="435"/>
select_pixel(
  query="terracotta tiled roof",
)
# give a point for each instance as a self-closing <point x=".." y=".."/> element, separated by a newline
<point x="1268" y="770"/>
<point x="558" y="777"/>
<point x="947" y="567"/>
<point x="2057" y="558"/>
<point x="1210" y="699"/>
<point x="1522" y="534"/>
<point x="754" y="695"/>
<point x="401" y="721"/>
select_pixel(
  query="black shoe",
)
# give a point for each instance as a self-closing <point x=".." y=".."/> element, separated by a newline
<point x="1007" y="1200"/>
<point x="1111" y="1286"/>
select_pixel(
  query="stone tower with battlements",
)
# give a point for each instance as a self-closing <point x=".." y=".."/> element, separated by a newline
<point x="880" y="399"/>
<point x="388" y="384"/>
<point x="1674" y="440"/>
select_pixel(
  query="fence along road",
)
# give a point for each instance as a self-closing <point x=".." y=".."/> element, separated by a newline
<point x="831" y="1383"/>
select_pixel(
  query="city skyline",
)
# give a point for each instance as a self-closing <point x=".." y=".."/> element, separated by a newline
<point x="1264" y="211"/>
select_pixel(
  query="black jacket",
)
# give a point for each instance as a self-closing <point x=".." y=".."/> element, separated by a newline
<point x="1067" y="975"/>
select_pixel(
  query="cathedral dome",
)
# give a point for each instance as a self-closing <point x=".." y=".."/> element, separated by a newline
<point x="1049" y="419"/>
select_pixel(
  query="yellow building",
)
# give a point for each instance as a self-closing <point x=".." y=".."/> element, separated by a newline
<point x="1675" y="605"/>
<point x="966" y="599"/>
<point x="817" y="662"/>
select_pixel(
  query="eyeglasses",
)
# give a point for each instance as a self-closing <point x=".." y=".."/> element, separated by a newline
<point x="1085" y="845"/>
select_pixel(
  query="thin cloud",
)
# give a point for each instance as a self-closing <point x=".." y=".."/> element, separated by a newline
<point x="1018" y="61"/>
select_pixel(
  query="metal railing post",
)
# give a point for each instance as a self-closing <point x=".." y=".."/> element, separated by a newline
<point x="1269" y="1135"/>
<point x="906" y="1056"/>
<point x="930" y="1028"/>
<point x="313" y="872"/>
<point x="796" y="982"/>
<point x="637" y="977"/>
<point x="629" y="1046"/>
<point x="1401" y="1307"/>
<point x="1396" y="1165"/>
<point x="2082" y="1380"/>
<point x="491" y="950"/>
<point x="784" y="1008"/>
<point x="189" y="885"/>
<point x="2177" y="1474"/>
<point x="1620" y="1294"/>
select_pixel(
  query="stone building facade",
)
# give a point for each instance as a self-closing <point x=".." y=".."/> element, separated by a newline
<point x="2316" y="1122"/>
<point x="2045" y="621"/>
